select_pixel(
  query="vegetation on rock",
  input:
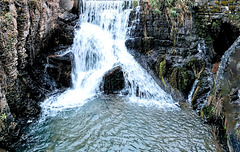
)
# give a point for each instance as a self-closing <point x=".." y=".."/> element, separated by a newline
<point x="175" y="11"/>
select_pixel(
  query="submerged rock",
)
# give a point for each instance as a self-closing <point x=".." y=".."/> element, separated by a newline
<point x="113" y="81"/>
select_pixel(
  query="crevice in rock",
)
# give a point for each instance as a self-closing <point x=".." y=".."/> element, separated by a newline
<point x="224" y="39"/>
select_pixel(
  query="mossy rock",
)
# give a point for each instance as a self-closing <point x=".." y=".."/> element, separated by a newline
<point x="216" y="2"/>
<point x="224" y="3"/>
<point x="161" y="68"/>
<point x="196" y="65"/>
<point x="181" y="79"/>
<point x="33" y="4"/>
<point x="208" y="112"/>
<point x="215" y="10"/>
<point x="232" y="7"/>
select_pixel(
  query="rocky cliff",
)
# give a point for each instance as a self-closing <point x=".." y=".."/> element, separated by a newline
<point x="29" y="28"/>
<point x="191" y="54"/>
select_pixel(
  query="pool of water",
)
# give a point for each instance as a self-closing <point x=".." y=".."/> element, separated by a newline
<point x="113" y="123"/>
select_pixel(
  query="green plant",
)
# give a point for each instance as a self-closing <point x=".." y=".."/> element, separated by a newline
<point x="162" y="70"/>
<point x="8" y="17"/>
<point x="3" y="117"/>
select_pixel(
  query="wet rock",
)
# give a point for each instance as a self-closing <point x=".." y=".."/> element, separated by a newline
<point x="176" y="62"/>
<point x="202" y="92"/>
<point x="68" y="17"/>
<point x="134" y="43"/>
<point x="233" y="96"/>
<point x="163" y="43"/>
<point x="181" y="79"/>
<point x="113" y="81"/>
<point x="228" y="68"/>
<point x="143" y="45"/>
<point x="147" y="44"/>
<point x="226" y="87"/>
<point x="234" y="142"/>
<point x="59" y="68"/>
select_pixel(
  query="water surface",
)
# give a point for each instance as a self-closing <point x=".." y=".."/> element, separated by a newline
<point x="113" y="123"/>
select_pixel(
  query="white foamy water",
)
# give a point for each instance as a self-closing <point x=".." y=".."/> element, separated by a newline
<point x="190" y="95"/>
<point x="99" y="46"/>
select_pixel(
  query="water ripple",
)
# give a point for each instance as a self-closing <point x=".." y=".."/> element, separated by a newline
<point x="117" y="125"/>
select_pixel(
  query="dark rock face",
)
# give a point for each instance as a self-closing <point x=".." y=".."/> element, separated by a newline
<point x="228" y="68"/>
<point x="29" y="30"/>
<point x="141" y="44"/>
<point x="59" y="68"/>
<point x="177" y="62"/>
<point x="113" y="81"/>
<point x="227" y="90"/>
<point x="223" y="102"/>
<point x="181" y="79"/>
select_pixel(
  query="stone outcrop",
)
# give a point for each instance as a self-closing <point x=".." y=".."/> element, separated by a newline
<point x="177" y="61"/>
<point x="218" y="22"/>
<point x="225" y="100"/>
<point x="193" y="55"/>
<point x="59" y="68"/>
<point x="29" y="30"/>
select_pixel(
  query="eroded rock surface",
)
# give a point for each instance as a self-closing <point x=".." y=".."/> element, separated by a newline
<point x="29" y="30"/>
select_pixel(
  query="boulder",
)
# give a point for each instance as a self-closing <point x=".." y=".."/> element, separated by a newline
<point x="113" y="81"/>
<point x="66" y="4"/>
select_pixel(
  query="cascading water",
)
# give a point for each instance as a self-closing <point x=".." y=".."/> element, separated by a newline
<point x="99" y="46"/>
<point x="190" y="95"/>
<point x="83" y="119"/>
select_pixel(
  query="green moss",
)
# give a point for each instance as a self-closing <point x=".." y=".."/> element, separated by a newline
<point x="8" y="17"/>
<point x="226" y="12"/>
<point x="232" y="7"/>
<point x="224" y="3"/>
<point x="216" y="2"/>
<point x="181" y="79"/>
<point x="33" y="4"/>
<point x="173" y="78"/>
<point x="200" y="83"/>
<point x="196" y="65"/>
<point x="161" y="69"/>
<point x="216" y="10"/>
<point x="208" y="112"/>
<point x="134" y="4"/>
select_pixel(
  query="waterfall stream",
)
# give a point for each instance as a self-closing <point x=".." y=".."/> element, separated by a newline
<point x="84" y="119"/>
<point x="190" y="95"/>
<point x="99" y="46"/>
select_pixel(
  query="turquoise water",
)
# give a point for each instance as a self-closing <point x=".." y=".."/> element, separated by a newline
<point x="112" y="123"/>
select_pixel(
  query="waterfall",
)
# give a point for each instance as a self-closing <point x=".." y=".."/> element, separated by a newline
<point x="190" y="95"/>
<point x="99" y="46"/>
